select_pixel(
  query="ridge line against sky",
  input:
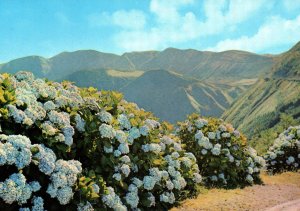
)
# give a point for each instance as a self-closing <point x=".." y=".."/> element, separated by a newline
<point x="48" y="27"/>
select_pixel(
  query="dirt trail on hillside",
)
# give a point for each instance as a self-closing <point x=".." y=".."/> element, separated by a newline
<point x="272" y="196"/>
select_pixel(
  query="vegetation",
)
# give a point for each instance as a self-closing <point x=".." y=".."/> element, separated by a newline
<point x="68" y="148"/>
<point x="222" y="154"/>
<point x="284" y="154"/>
<point x="264" y="139"/>
<point x="63" y="147"/>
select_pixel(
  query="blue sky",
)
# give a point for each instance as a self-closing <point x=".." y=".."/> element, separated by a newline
<point x="48" y="27"/>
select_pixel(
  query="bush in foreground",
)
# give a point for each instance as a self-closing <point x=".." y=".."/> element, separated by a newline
<point x="222" y="154"/>
<point x="68" y="148"/>
<point x="284" y="154"/>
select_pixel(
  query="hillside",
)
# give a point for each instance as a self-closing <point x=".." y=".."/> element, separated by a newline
<point x="199" y="64"/>
<point x="262" y="106"/>
<point x="171" y="96"/>
<point x="103" y="78"/>
<point x="211" y="65"/>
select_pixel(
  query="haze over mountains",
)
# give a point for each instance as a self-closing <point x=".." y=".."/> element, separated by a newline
<point x="171" y="83"/>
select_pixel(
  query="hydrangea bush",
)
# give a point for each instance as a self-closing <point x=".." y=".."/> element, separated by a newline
<point x="37" y="125"/>
<point x="141" y="161"/>
<point x="62" y="147"/>
<point x="284" y="154"/>
<point x="222" y="153"/>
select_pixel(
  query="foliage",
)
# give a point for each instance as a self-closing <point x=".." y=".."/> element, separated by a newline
<point x="284" y="154"/>
<point x="88" y="149"/>
<point x="264" y="139"/>
<point x="222" y="154"/>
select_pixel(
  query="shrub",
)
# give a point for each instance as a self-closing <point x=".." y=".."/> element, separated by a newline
<point x="222" y="153"/>
<point x="136" y="155"/>
<point x="72" y="148"/>
<point x="284" y="154"/>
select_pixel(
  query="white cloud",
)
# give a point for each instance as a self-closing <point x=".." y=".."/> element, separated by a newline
<point x="174" y="22"/>
<point x="167" y="10"/>
<point x="275" y="32"/>
<point x="132" y="19"/>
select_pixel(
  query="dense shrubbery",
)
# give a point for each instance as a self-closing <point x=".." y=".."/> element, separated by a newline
<point x="67" y="148"/>
<point x="284" y="154"/>
<point x="223" y="157"/>
<point x="62" y="147"/>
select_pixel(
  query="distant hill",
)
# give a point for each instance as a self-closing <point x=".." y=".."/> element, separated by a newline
<point x="198" y="64"/>
<point x="211" y="65"/>
<point x="103" y="78"/>
<point x="171" y="96"/>
<point x="261" y="106"/>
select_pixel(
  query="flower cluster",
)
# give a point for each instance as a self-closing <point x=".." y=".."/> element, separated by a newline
<point x="284" y="154"/>
<point x="43" y="105"/>
<point x="18" y="151"/>
<point x="221" y="151"/>
<point x="15" y="189"/>
<point x="15" y="151"/>
<point x="62" y="179"/>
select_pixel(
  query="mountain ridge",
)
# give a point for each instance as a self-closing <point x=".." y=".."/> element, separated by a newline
<point x="189" y="62"/>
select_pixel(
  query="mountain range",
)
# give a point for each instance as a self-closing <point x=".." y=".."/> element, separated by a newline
<point x="171" y="83"/>
<point x="193" y="63"/>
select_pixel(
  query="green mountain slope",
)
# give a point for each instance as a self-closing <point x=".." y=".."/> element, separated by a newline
<point x="36" y="64"/>
<point x="69" y="62"/>
<point x="172" y="97"/>
<point x="102" y="78"/>
<point x="169" y="95"/>
<point x="211" y="65"/>
<point x="262" y="106"/>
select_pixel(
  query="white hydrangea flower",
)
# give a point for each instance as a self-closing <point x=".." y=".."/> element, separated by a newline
<point x="125" y="169"/>
<point x="121" y="136"/>
<point x="117" y="176"/>
<point x="216" y="150"/>
<point x="197" y="178"/>
<point x="249" y="178"/>
<point x="167" y="197"/>
<point x="132" y="199"/>
<point x="105" y="116"/>
<point x="144" y="130"/>
<point x="123" y="148"/>
<point x="112" y="200"/>
<point x="137" y="182"/>
<point x="149" y="182"/>
<point x="80" y="123"/>
<point x="107" y="131"/>
<point x="124" y="122"/>
<point x="211" y="135"/>
<point x="201" y="123"/>
<point x="85" y="207"/>
<point x="117" y="153"/>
